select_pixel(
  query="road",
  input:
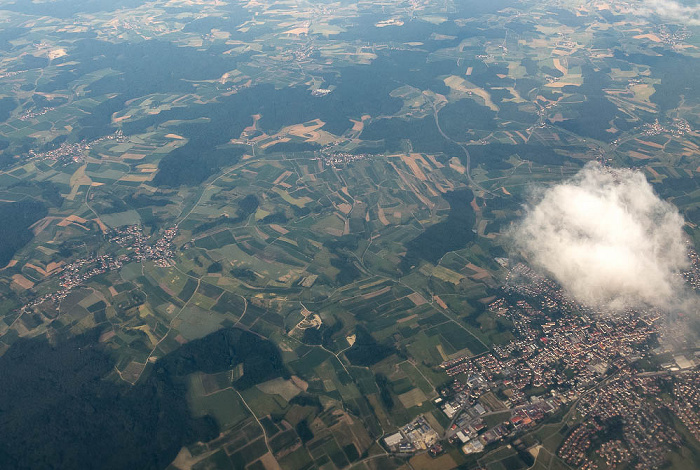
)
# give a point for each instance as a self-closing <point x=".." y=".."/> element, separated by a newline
<point x="468" y="156"/>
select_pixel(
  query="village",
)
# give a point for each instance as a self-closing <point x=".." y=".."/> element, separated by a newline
<point x="132" y="240"/>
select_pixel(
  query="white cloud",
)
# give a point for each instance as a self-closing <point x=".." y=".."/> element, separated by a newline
<point x="671" y="10"/>
<point x="608" y="239"/>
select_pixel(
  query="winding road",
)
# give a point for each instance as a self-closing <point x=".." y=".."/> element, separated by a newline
<point x="468" y="162"/>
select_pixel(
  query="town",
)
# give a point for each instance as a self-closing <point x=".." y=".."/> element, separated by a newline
<point x="567" y="356"/>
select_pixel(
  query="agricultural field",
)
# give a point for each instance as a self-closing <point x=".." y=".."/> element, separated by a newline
<point x="336" y="180"/>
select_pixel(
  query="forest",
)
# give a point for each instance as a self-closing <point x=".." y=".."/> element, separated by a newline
<point x="60" y="411"/>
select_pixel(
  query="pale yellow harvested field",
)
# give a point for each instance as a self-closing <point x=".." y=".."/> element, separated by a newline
<point x="434" y="161"/>
<point x="50" y="268"/>
<point x="447" y="275"/>
<point x="106" y="336"/>
<point x="279" y="229"/>
<point x="287" y="389"/>
<point x="408" y="318"/>
<point x="376" y="293"/>
<point x="480" y="272"/>
<point x="650" y="36"/>
<point x="559" y="66"/>
<point x="282" y="177"/>
<point x="134" y="156"/>
<point x="650" y="144"/>
<point x="142" y="178"/>
<point x="298" y="31"/>
<point x="654" y="173"/>
<point x="101" y="224"/>
<point x="457" y="166"/>
<point x="382" y="216"/>
<point x="442" y="352"/>
<point x="642" y="91"/>
<point x="417" y="299"/>
<point x="561" y="84"/>
<point x="345" y="208"/>
<point x="22" y="281"/>
<point x="415" y="397"/>
<point x="79" y="178"/>
<point x="70" y="219"/>
<point x="459" y="84"/>
<point x="440" y="302"/>
<point x="415" y="169"/>
<point x="638" y="155"/>
<point x="275" y="141"/>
